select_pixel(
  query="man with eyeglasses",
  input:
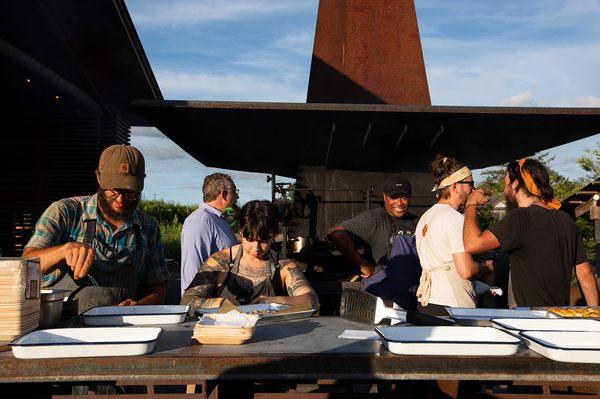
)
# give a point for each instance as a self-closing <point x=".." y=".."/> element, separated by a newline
<point x="206" y="230"/>
<point x="384" y="233"/>
<point x="101" y="245"/>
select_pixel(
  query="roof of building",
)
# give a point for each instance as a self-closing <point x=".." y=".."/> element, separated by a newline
<point x="277" y="137"/>
<point x="75" y="57"/>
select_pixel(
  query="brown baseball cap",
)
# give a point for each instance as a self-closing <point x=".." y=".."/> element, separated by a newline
<point x="122" y="166"/>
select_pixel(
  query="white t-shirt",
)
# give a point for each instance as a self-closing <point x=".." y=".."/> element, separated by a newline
<point x="443" y="237"/>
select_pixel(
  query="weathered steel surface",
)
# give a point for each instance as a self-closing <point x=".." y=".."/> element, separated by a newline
<point x="368" y="52"/>
<point x="306" y="349"/>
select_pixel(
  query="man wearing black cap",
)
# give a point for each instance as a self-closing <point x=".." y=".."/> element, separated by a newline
<point x="101" y="246"/>
<point x="377" y="231"/>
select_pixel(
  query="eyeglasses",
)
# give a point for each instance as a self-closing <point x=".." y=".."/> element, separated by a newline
<point x="114" y="194"/>
<point x="470" y="183"/>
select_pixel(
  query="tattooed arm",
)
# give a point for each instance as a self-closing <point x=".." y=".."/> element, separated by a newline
<point x="214" y="270"/>
<point x="298" y="288"/>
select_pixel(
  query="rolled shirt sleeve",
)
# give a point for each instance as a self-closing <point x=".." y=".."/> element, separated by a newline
<point x="50" y="228"/>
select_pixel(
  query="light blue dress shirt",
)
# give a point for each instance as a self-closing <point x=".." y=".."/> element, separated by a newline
<point x="204" y="232"/>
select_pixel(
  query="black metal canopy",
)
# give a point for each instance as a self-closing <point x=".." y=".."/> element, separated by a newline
<point x="72" y="57"/>
<point x="277" y="137"/>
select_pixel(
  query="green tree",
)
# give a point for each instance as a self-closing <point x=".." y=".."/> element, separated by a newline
<point x="170" y="217"/>
<point x="493" y="182"/>
<point x="591" y="162"/>
<point x="563" y="186"/>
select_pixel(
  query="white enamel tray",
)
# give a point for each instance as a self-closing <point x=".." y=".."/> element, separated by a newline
<point x="565" y="346"/>
<point x="448" y="340"/>
<point x="135" y="315"/>
<point x="547" y="324"/>
<point x="482" y="316"/>
<point x="86" y="342"/>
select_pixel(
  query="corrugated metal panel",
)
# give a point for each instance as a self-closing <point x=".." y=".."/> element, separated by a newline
<point x="46" y="160"/>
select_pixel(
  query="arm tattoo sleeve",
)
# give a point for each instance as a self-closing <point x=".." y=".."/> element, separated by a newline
<point x="298" y="285"/>
<point x="198" y="294"/>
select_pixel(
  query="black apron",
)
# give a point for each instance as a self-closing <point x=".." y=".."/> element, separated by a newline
<point x="117" y="273"/>
<point x="242" y="290"/>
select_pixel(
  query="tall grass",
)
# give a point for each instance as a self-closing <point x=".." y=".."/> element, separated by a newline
<point x="170" y="217"/>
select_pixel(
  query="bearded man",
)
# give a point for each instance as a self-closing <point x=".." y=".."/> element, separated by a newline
<point x="542" y="241"/>
<point x="101" y="246"/>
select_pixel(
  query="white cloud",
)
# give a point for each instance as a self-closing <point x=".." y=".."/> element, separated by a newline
<point x="229" y="86"/>
<point x="300" y="43"/>
<point x="187" y="12"/>
<point x="485" y="72"/>
<point x="585" y="101"/>
<point x="524" y="99"/>
<point x="510" y="18"/>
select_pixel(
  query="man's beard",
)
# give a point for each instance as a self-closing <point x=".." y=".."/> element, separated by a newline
<point x="511" y="202"/>
<point x="109" y="212"/>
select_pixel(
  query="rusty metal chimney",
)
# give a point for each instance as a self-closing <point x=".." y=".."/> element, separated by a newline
<point x="368" y="52"/>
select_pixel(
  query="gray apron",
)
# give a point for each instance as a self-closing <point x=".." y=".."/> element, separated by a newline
<point x="241" y="289"/>
<point x="117" y="273"/>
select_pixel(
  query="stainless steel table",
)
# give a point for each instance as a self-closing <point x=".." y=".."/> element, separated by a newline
<point x="292" y="350"/>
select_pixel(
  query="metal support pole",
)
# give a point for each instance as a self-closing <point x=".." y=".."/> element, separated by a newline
<point x="597" y="241"/>
<point x="368" y="193"/>
<point x="273" y="187"/>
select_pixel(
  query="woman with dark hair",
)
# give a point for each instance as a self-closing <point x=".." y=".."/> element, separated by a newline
<point x="448" y="270"/>
<point x="250" y="272"/>
<point x="542" y="241"/>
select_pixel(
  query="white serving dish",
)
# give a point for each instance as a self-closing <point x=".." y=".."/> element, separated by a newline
<point x="86" y="342"/>
<point x="547" y="324"/>
<point x="448" y="340"/>
<point x="482" y="314"/>
<point x="135" y="315"/>
<point x="565" y="346"/>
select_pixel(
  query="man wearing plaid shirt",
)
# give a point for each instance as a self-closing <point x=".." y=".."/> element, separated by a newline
<point x="101" y="245"/>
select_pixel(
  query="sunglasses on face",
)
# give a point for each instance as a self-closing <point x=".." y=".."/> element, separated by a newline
<point x="114" y="194"/>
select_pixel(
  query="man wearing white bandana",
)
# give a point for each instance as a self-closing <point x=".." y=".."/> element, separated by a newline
<point x="448" y="270"/>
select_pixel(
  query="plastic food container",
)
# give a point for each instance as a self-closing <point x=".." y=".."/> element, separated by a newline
<point x="210" y="330"/>
<point x="86" y="342"/>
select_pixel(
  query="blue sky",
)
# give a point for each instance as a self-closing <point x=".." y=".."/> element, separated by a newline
<point x="504" y="52"/>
